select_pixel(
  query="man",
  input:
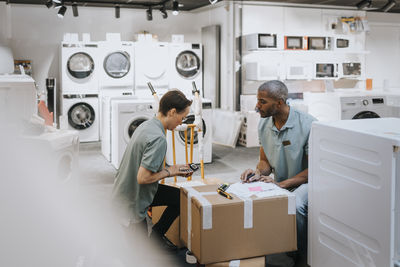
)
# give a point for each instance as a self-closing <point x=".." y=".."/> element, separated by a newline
<point x="283" y="133"/>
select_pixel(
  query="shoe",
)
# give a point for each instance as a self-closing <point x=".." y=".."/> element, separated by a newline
<point x="163" y="243"/>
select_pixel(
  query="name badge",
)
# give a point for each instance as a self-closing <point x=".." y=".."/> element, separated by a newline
<point x="286" y="143"/>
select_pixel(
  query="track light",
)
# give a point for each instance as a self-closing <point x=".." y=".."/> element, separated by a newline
<point x="61" y="12"/>
<point x="49" y="3"/>
<point x="389" y="5"/>
<point x="75" y="9"/>
<point x="364" y="4"/>
<point x="163" y="12"/>
<point x="149" y="14"/>
<point x="117" y="13"/>
<point x="212" y="2"/>
<point x="175" y="8"/>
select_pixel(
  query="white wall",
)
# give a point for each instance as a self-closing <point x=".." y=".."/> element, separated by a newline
<point x="383" y="42"/>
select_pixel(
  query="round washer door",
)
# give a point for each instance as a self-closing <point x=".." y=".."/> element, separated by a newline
<point x="187" y="64"/>
<point x="132" y="125"/>
<point x="366" y="115"/>
<point x="81" y="116"/>
<point x="189" y="120"/>
<point x="80" y="65"/>
<point x="117" y="64"/>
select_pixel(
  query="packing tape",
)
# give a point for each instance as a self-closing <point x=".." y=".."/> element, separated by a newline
<point x="207" y="211"/>
<point x="248" y="212"/>
<point x="291" y="203"/>
<point x="235" y="263"/>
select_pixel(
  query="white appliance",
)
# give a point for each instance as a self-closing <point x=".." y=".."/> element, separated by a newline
<point x="83" y="115"/>
<point x="354" y="186"/>
<point x="18" y="99"/>
<point x="79" y="68"/>
<point x="262" y="41"/>
<point x="117" y="66"/>
<point x="207" y="115"/>
<point x="331" y="106"/>
<point x="58" y="152"/>
<point x="126" y="116"/>
<point x="352" y="70"/>
<point x="105" y="123"/>
<point x="186" y="66"/>
<point x="6" y="59"/>
<point x="343" y="43"/>
<point x="248" y="135"/>
<point x="263" y="71"/>
<point x="326" y="70"/>
<point x="297" y="70"/>
<point x="151" y="65"/>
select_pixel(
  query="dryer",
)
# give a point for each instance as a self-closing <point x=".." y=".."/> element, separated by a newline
<point x="180" y="138"/>
<point x="186" y="66"/>
<point x="79" y="68"/>
<point x="126" y="116"/>
<point x="151" y="65"/>
<point x="83" y="115"/>
<point x="117" y="65"/>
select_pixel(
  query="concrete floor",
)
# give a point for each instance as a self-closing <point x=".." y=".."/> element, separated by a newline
<point x="97" y="176"/>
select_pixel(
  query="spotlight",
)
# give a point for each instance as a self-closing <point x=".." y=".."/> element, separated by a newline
<point x="389" y="5"/>
<point x="149" y="14"/>
<point x="117" y="8"/>
<point x="75" y="9"/>
<point x="58" y="4"/>
<point x="49" y="3"/>
<point x="163" y="12"/>
<point x="175" y="8"/>
<point x="212" y="2"/>
<point x="364" y="4"/>
<point x="61" y="12"/>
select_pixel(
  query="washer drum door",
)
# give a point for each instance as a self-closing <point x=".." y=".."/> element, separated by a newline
<point x="131" y="127"/>
<point x="81" y="116"/>
<point x="365" y="115"/>
<point x="187" y="64"/>
<point x="189" y="120"/>
<point x="80" y="65"/>
<point x="117" y="64"/>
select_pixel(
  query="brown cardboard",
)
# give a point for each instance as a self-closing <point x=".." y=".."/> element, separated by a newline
<point x="253" y="262"/>
<point x="273" y="231"/>
<point x="173" y="233"/>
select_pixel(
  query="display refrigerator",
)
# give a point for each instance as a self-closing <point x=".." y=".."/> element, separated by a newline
<point x="354" y="185"/>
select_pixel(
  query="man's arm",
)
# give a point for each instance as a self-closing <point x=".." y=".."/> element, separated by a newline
<point x="295" y="181"/>
<point x="263" y="166"/>
<point x="146" y="176"/>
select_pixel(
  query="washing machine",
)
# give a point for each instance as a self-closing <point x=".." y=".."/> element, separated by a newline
<point x="365" y="107"/>
<point x="185" y="67"/>
<point x="151" y="65"/>
<point x="57" y="152"/>
<point x="79" y="68"/>
<point x="126" y="116"/>
<point x="117" y="66"/>
<point x="83" y="115"/>
<point x="207" y="114"/>
<point x="105" y="122"/>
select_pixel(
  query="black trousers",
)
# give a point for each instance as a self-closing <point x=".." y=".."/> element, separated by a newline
<point x="166" y="196"/>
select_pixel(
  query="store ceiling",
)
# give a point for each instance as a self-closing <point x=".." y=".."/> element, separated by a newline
<point x="188" y="5"/>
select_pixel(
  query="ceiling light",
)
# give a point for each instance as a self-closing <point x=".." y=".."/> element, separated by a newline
<point x="61" y="12"/>
<point x="117" y="13"/>
<point x="75" y="9"/>
<point x="163" y="12"/>
<point x="49" y="3"/>
<point x="212" y="2"/>
<point x="57" y="1"/>
<point x="364" y="4"/>
<point x="175" y="8"/>
<point x="58" y="4"/>
<point x="149" y="14"/>
<point x="389" y="5"/>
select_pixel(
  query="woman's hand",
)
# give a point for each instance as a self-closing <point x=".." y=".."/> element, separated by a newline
<point x="180" y="170"/>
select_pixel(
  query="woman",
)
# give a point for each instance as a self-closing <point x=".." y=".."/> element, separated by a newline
<point x="136" y="186"/>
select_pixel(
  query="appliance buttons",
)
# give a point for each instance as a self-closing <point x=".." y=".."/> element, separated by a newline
<point x="365" y="102"/>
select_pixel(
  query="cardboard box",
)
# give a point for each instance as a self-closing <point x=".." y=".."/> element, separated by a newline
<point x="253" y="262"/>
<point x="173" y="233"/>
<point x="222" y="229"/>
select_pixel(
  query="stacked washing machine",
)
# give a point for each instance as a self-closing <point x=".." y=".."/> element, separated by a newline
<point x="79" y="85"/>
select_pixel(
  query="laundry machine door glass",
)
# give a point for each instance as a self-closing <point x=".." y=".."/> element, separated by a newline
<point x="189" y="120"/>
<point x="132" y="126"/>
<point x="117" y="64"/>
<point x="187" y="64"/>
<point x="81" y="116"/>
<point x="366" y="115"/>
<point x="80" y="65"/>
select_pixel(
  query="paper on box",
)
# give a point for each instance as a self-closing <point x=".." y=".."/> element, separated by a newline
<point x="253" y="262"/>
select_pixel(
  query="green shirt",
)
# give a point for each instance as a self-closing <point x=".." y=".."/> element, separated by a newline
<point x="147" y="148"/>
<point x="286" y="149"/>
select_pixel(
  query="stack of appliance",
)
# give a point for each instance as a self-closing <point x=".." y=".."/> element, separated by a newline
<point x="354" y="185"/>
<point x="79" y="85"/>
<point x="248" y="135"/>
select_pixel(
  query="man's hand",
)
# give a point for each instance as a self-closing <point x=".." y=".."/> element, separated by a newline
<point x="180" y="170"/>
<point x="268" y="179"/>
<point x="249" y="176"/>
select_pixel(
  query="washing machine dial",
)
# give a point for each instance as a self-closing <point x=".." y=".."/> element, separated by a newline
<point x="365" y="102"/>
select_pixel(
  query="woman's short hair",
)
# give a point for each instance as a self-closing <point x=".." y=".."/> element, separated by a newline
<point x="173" y="99"/>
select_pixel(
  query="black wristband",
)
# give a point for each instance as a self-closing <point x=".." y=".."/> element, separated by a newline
<point x="169" y="174"/>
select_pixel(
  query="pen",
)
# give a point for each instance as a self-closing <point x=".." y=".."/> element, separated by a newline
<point x="224" y="194"/>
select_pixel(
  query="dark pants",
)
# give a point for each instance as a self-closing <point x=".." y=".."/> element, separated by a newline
<point x="166" y="196"/>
